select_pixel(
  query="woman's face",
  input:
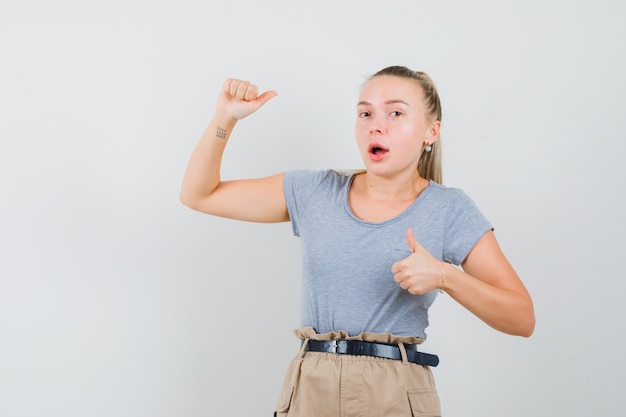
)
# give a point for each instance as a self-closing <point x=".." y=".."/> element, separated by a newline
<point x="392" y="124"/>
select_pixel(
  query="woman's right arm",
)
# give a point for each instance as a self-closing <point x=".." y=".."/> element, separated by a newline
<point x="256" y="200"/>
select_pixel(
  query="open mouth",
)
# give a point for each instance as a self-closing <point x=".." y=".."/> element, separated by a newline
<point x="377" y="151"/>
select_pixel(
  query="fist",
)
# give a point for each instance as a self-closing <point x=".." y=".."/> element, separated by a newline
<point x="420" y="272"/>
<point x="239" y="98"/>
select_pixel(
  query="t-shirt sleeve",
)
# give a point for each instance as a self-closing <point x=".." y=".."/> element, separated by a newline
<point x="465" y="225"/>
<point x="299" y="186"/>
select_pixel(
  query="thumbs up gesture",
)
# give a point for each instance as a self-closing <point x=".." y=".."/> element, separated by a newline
<point x="420" y="272"/>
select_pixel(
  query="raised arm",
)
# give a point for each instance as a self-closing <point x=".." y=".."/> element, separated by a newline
<point x="256" y="200"/>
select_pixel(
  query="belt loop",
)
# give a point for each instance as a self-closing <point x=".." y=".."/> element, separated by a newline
<point x="305" y="343"/>
<point x="405" y="361"/>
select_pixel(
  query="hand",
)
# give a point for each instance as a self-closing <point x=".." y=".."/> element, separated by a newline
<point x="420" y="272"/>
<point x="239" y="99"/>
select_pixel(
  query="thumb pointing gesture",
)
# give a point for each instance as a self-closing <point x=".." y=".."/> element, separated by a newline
<point x="418" y="272"/>
<point x="411" y="241"/>
<point x="240" y="98"/>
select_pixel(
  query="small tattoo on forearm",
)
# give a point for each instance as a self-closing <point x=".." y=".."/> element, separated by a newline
<point x="221" y="133"/>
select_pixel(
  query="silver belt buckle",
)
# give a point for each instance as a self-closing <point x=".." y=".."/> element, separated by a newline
<point x="334" y="346"/>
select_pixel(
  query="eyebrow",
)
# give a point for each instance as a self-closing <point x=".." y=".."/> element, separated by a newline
<point x="395" y="101"/>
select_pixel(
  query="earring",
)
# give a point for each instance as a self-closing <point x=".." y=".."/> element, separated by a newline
<point x="428" y="148"/>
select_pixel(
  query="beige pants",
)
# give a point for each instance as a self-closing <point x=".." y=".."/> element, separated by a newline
<point x="336" y="385"/>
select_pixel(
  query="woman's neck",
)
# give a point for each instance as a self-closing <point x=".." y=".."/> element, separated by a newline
<point x="396" y="189"/>
<point x="375" y="199"/>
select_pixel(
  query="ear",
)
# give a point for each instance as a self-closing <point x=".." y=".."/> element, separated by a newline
<point x="432" y="135"/>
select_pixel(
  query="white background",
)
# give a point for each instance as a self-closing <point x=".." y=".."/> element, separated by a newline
<point x="117" y="300"/>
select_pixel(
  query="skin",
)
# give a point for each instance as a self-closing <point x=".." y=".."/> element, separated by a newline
<point x="392" y="128"/>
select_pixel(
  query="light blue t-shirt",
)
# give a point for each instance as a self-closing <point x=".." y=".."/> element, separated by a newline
<point x="347" y="282"/>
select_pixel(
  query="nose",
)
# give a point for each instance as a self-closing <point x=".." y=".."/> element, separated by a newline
<point x="376" y="127"/>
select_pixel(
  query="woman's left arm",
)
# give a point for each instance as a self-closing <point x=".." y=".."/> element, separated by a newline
<point x="489" y="287"/>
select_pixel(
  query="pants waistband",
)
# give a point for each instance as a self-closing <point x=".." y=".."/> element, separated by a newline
<point x="380" y="350"/>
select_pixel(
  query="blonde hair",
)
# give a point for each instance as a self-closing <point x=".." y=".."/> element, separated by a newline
<point x="429" y="165"/>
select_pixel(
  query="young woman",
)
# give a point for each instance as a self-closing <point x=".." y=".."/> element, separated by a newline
<point x="378" y="246"/>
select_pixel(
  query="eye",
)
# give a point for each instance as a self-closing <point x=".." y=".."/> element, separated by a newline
<point x="396" y="113"/>
<point x="364" y="114"/>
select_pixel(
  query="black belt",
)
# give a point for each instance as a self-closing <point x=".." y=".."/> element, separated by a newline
<point x="380" y="350"/>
